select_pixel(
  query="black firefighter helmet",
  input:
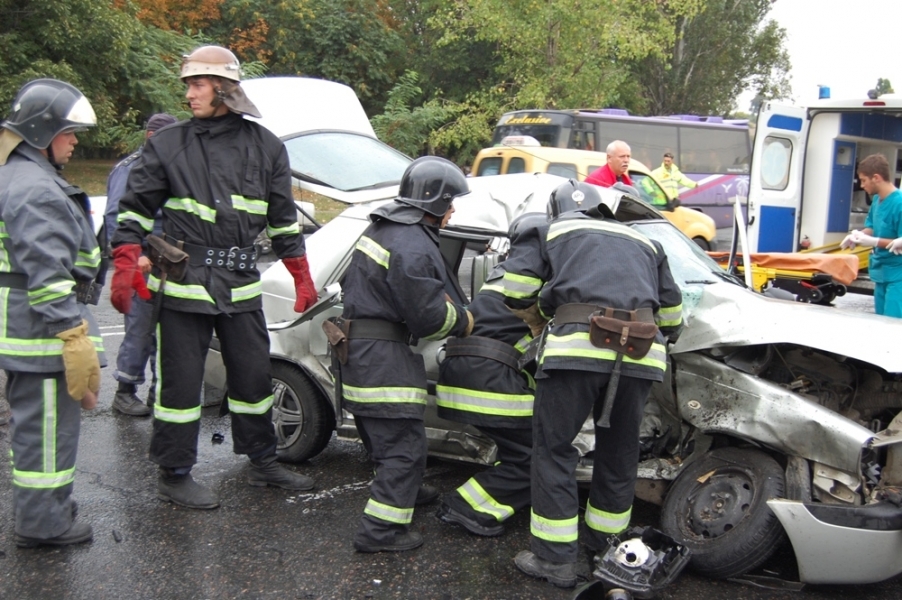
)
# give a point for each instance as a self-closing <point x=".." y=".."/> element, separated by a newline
<point x="431" y="184"/>
<point x="577" y="196"/>
<point x="44" y="108"/>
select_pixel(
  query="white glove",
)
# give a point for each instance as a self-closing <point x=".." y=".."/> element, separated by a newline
<point x="856" y="238"/>
<point x="895" y="246"/>
<point x="847" y="241"/>
<point x="863" y="239"/>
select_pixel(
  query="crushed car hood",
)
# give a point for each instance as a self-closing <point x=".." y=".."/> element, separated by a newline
<point x="721" y="319"/>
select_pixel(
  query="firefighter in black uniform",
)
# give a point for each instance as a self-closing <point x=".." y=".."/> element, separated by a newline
<point x="482" y="383"/>
<point x="587" y="264"/>
<point x="394" y="293"/>
<point x="219" y="179"/>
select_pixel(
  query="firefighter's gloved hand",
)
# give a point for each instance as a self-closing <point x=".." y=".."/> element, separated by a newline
<point x="470" y="323"/>
<point x="303" y="282"/>
<point x="895" y="246"/>
<point x="127" y="278"/>
<point x="532" y="317"/>
<point x="80" y="361"/>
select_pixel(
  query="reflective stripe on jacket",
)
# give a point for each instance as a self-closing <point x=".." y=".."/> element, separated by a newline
<point x="481" y="391"/>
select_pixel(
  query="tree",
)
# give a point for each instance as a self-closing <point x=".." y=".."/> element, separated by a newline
<point x="71" y="40"/>
<point x="884" y="87"/>
<point x="720" y="49"/>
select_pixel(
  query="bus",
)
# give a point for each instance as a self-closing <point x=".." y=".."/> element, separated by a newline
<point x="712" y="151"/>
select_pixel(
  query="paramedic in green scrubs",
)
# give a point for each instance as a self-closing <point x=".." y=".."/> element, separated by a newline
<point x="881" y="228"/>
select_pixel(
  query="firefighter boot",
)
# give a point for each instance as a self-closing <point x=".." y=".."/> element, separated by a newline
<point x="184" y="491"/>
<point x="267" y="471"/>
<point x="426" y="494"/>
<point x="560" y="574"/>
<point x="128" y="403"/>
<point x="401" y="543"/>
<point x="76" y="534"/>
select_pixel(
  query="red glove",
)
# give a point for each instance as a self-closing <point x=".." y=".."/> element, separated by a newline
<point x="303" y="283"/>
<point x="127" y="278"/>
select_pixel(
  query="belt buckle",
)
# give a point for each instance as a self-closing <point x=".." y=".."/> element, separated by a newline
<point x="230" y="262"/>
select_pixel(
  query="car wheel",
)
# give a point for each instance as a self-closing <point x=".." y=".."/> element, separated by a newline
<point x="718" y="508"/>
<point x="303" y="418"/>
<point x="702" y="243"/>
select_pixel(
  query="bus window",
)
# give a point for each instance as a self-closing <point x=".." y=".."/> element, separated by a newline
<point x="567" y="170"/>
<point x="705" y="150"/>
<point x="491" y="165"/>
<point x="582" y="137"/>
<point x="516" y="165"/>
<point x="648" y="141"/>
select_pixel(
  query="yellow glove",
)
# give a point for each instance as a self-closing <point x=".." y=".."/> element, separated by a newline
<point x="81" y="362"/>
<point x="532" y="317"/>
<point x="470" y="324"/>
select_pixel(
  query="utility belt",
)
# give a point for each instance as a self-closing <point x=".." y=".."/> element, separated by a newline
<point x="484" y="347"/>
<point x="86" y="292"/>
<point x="629" y="332"/>
<point x="233" y="259"/>
<point x="340" y="330"/>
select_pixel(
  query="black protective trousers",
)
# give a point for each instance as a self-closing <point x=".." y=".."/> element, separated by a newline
<point x="492" y="496"/>
<point x="563" y="401"/>
<point x="397" y="448"/>
<point x="183" y="342"/>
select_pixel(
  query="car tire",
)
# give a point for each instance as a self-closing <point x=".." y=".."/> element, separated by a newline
<point x="718" y="508"/>
<point x="702" y="243"/>
<point x="302" y="416"/>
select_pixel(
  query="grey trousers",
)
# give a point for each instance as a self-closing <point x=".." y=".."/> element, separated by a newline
<point x="45" y="427"/>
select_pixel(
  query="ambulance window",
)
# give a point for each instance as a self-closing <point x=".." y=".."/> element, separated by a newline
<point x="489" y="166"/>
<point x="775" y="162"/>
<point x="567" y="170"/>
<point x="516" y="165"/>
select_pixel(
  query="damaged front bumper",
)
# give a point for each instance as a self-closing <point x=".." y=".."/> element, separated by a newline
<point x="843" y="544"/>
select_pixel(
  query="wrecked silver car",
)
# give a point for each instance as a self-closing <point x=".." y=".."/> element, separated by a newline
<point x="776" y="419"/>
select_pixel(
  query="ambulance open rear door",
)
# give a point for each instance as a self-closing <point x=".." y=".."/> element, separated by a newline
<point x="775" y="181"/>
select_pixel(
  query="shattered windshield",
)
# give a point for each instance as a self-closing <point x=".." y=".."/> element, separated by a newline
<point x="345" y="161"/>
<point x="688" y="263"/>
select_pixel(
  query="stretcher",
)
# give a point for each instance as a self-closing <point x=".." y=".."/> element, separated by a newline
<point x="811" y="277"/>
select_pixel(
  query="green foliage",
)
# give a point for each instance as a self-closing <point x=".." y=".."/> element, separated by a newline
<point x="124" y="68"/>
<point x="884" y="87"/>
<point x="720" y="49"/>
<point x="404" y="125"/>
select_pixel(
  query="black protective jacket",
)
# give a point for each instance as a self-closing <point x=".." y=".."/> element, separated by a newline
<point x="397" y="274"/>
<point x="219" y="183"/>
<point x="583" y="260"/>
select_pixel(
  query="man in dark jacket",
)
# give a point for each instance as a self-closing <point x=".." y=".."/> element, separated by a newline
<point x="52" y="346"/>
<point x="584" y="265"/>
<point x="139" y="342"/>
<point x="481" y="383"/>
<point x="394" y="293"/>
<point x="219" y="180"/>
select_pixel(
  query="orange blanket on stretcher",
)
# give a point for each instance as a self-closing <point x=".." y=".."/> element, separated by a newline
<point x="842" y="267"/>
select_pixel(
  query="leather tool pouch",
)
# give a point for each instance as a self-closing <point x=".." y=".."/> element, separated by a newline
<point x="336" y="332"/>
<point x="169" y="259"/>
<point x="632" y="337"/>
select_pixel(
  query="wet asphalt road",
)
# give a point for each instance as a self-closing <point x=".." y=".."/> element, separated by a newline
<point x="268" y="543"/>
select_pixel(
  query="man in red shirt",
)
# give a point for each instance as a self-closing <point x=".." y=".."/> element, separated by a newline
<point x="616" y="170"/>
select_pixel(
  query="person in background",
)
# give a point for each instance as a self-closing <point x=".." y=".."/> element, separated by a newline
<point x="50" y="260"/>
<point x="882" y="228"/>
<point x="671" y="178"/>
<point x="616" y="169"/>
<point x="219" y="180"/>
<point x="139" y="342"/>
